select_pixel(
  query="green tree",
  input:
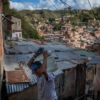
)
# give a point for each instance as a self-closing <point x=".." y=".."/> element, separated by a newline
<point x="57" y="27"/>
<point x="28" y="30"/>
<point x="6" y="6"/>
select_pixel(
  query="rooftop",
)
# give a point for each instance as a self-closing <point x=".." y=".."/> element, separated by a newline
<point x="62" y="57"/>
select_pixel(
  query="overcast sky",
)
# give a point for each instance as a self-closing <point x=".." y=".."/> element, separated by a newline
<point x="46" y="4"/>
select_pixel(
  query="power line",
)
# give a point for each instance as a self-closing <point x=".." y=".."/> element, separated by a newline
<point x="24" y="4"/>
<point x="91" y="7"/>
<point x="77" y="4"/>
<point x="89" y="4"/>
<point x="65" y="3"/>
<point x="53" y="5"/>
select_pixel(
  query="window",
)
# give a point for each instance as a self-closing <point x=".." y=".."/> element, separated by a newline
<point x="16" y="35"/>
<point x="20" y="35"/>
<point x="15" y="25"/>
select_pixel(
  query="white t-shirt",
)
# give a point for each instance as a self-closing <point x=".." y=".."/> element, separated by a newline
<point x="46" y="88"/>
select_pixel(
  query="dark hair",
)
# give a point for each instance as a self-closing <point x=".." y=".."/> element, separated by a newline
<point x="38" y="63"/>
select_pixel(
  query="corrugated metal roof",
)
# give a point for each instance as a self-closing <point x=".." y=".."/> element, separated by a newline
<point x="51" y="65"/>
<point x="95" y="60"/>
<point x="10" y="63"/>
<point x="11" y="88"/>
<point x="57" y="72"/>
<point x="17" y="49"/>
<point x="19" y="87"/>
<point x="84" y="53"/>
<point x="53" y="47"/>
<point x="67" y="60"/>
<point x="30" y="47"/>
<point x="15" y="39"/>
<point x="96" y="41"/>
<point x="66" y="56"/>
<point x="65" y="65"/>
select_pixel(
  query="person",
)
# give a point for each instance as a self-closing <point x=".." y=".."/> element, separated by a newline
<point x="45" y="80"/>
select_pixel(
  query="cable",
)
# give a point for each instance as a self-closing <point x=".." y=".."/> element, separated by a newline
<point x="53" y="5"/>
<point x="91" y="7"/>
<point x="65" y="3"/>
<point x="24" y="3"/>
<point x="89" y="4"/>
<point x="77" y="4"/>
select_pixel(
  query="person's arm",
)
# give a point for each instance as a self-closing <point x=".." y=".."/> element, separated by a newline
<point x="31" y="61"/>
<point x="44" y="65"/>
<point x="34" y="56"/>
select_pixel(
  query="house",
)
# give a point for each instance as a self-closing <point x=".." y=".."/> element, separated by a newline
<point x="97" y="34"/>
<point x="15" y="29"/>
<point x="89" y="29"/>
<point x="57" y="20"/>
<point x="94" y="46"/>
<point x="83" y="45"/>
<point x="77" y="44"/>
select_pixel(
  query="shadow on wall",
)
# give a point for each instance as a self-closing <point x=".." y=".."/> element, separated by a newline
<point x="68" y="98"/>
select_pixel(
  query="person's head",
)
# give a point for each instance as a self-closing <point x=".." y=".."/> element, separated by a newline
<point x="36" y="68"/>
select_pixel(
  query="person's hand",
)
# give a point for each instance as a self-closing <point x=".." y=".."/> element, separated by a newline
<point x="38" y="52"/>
<point x="45" y="54"/>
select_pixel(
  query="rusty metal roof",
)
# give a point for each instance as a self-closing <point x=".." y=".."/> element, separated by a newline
<point x="16" y="77"/>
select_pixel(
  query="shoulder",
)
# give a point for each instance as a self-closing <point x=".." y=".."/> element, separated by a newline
<point x="51" y="76"/>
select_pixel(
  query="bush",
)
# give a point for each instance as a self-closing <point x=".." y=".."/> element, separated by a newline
<point x="57" y="26"/>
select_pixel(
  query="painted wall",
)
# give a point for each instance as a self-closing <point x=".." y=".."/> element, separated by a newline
<point x="17" y="34"/>
<point x="17" y="24"/>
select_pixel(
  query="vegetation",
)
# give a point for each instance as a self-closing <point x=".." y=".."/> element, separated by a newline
<point x="30" y="19"/>
<point x="92" y="34"/>
<point x="76" y="17"/>
<point x="57" y="27"/>
<point x="28" y="30"/>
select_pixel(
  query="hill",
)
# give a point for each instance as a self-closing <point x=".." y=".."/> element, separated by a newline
<point x="30" y="19"/>
<point x="36" y="16"/>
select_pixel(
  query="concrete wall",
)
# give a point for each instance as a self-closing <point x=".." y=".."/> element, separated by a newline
<point x="17" y="23"/>
<point x="17" y="34"/>
<point x="69" y="83"/>
<point x="97" y="79"/>
<point x="80" y="80"/>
